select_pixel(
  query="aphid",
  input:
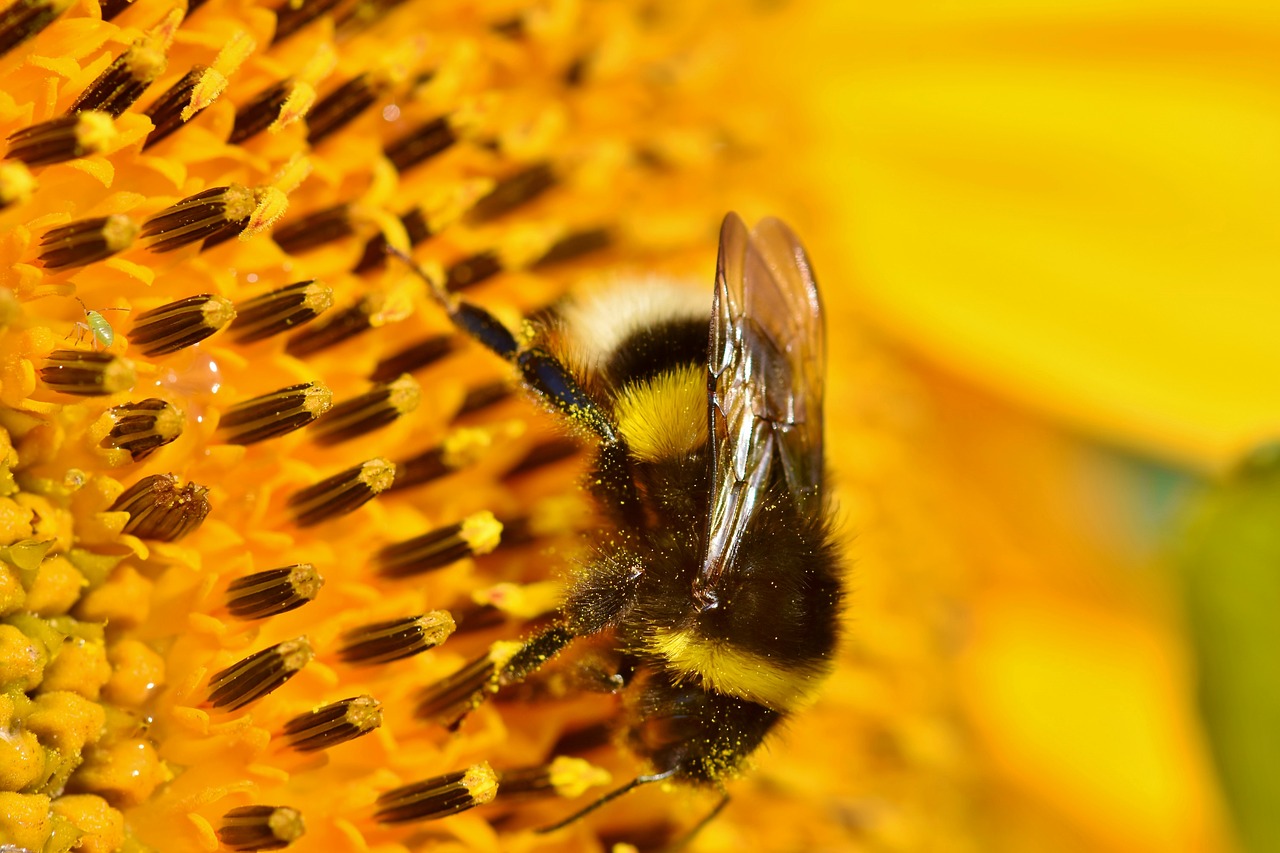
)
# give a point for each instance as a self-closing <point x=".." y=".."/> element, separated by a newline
<point x="714" y="575"/>
<point x="96" y="326"/>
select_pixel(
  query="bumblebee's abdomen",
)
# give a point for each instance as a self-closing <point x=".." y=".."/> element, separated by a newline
<point x="704" y="736"/>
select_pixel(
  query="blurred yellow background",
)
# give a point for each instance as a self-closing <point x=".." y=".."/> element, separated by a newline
<point x="1060" y="217"/>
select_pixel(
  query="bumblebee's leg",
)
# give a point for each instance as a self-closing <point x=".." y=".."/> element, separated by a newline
<point x="608" y="798"/>
<point x="552" y="381"/>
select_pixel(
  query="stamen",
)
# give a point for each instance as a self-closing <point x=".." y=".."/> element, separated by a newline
<point x="200" y="216"/>
<point x="293" y="15"/>
<point x="280" y="310"/>
<point x="574" y="246"/>
<point x="523" y="601"/>
<point x="169" y="111"/>
<point x="422" y="143"/>
<point x="342" y="493"/>
<point x="81" y="243"/>
<point x="370" y="411"/>
<point x="87" y="374"/>
<point x="439" y="796"/>
<point x="341" y="106"/>
<point x="259" y="674"/>
<point x="111" y="8"/>
<point x="273" y="592"/>
<point x="375" y="251"/>
<point x="314" y="229"/>
<point x="565" y="776"/>
<point x="124" y="80"/>
<point x="513" y="191"/>
<point x="549" y="452"/>
<point x="484" y="396"/>
<point x="414" y="357"/>
<point x="158" y="509"/>
<point x="275" y="414"/>
<point x="333" y="724"/>
<point x="463" y="447"/>
<point x="274" y="108"/>
<point x="260" y="828"/>
<point x="16" y="184"/>
<point x="198" y="88"/>
<point x="337" y="328"/>
<point x="25" y="19"/>
<point x="451" y="699"/>
<point x="143" y="427"/>
<point x="476" y="534"/>
<point x="62" y="139"/>
<point x="383" y="642"/>
<point x="181" y="324"/>
<point x="473" y="270"/>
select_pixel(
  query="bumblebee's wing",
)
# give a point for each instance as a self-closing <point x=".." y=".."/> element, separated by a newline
<point x="764" y="383"/>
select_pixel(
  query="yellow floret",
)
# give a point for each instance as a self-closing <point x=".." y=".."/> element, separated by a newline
<point x="56" y="588"/>
<point x="21" y="759"/>
<point x="126" y="772"/>
<point x="136" y="672"/>
<point x="122" y="602"/>
<point x="103" y="826"/>
<point x="15" y="521"/>
<point x="22" y="660"/>
<point x="66" y="720"/>
<point x="12" y="595"/>
<point x="24" y="819"/>
<point x="80" y="666"/>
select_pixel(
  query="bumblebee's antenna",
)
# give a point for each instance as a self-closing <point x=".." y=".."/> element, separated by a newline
<point x="610" y="797"/>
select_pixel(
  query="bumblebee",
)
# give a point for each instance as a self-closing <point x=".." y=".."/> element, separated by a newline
<point x="714" y="578"/>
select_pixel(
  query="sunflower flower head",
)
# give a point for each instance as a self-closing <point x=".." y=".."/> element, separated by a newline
<point x="257" y="502"/>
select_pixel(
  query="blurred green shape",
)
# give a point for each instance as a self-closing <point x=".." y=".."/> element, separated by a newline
<point x="1229" y="559"/>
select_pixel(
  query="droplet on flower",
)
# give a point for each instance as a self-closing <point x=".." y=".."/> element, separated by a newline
<point x="259" y="674"/>
<point x="275" y="414"/>
<point x="439" y="796"/>
<point x="274" y="591"/>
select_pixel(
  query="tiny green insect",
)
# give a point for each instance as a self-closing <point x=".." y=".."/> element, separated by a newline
<point x="96" y="325"/>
